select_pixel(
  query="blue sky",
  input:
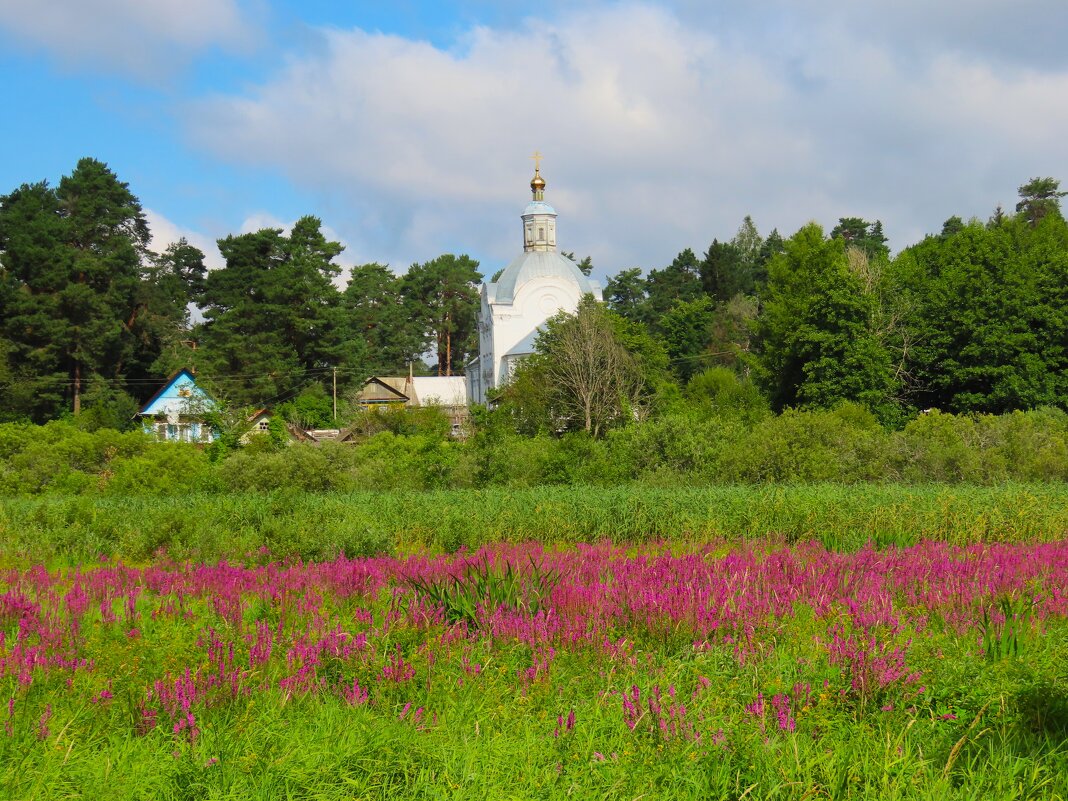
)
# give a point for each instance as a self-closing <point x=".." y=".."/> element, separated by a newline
<point x="407" y="126"/>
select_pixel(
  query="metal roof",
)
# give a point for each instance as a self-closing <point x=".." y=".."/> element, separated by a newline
<point x="538" y="207"/>
<point x="537" y="264"/>
<point x="440" y="390"/>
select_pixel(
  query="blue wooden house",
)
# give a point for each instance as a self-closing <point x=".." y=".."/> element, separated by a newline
<point x="177" y="413"/>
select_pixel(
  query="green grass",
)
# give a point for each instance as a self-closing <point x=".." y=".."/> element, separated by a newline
<point x="65" y="529"/>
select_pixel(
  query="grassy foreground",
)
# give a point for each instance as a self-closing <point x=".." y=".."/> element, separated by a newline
<point x="724" y="671"/>
<point x="68" y="529"/>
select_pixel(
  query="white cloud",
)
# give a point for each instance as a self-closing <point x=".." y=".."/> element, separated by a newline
<point x="259" y="220"/>
<point x="658" y="133"/>
<point x="165" y="232"/>
<point x="143" y="37"/>
<point x="1026" y="33"/>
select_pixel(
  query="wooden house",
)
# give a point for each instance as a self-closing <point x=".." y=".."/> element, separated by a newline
<point x="178" y="411"/>
<point x="260" y="423"/>
<point x="449" y="393"/>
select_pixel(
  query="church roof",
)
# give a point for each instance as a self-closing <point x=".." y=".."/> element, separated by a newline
<point x="538" y="207"/>
<point x="537" y="264"/>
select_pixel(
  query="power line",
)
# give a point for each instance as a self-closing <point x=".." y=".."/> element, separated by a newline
<point x="220" y="378"/>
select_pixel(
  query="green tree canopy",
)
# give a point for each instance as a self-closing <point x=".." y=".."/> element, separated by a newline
<point x="687" y="332"/>
<point x="815" y="345"/>
<point x="1038" y="198"/>
<point x="441" y="296"/>
<point x="70" y="288"/>
<point x="989" y="320"/>
<point x="582" y="377"/>
<point x="272" y="314"/>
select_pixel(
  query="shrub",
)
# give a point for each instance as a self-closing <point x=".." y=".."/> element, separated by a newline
<point x="164" y="469"/>
<point x="938" y="447"/>
<point x="725" y="393"/>
<point x="845" y="444"/>
<point x="60" y="457"/>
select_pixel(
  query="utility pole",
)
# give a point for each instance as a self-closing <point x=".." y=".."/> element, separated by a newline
<point x="335" y="394"/>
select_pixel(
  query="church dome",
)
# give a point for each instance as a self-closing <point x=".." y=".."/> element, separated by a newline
<point x="538" y="207"/>
<point x="539" y="264"/>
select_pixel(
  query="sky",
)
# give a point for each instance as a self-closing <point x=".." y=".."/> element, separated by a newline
<point x="407" y="126"/>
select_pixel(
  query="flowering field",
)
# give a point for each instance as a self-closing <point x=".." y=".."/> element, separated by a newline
<point x="725" y="671"/>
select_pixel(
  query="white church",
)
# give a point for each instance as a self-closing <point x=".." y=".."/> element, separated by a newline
<point x="535" y="286"/>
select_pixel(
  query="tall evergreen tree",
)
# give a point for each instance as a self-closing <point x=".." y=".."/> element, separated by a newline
<point x="723" y="271"/>
<point x="866" y="236"/>
<point x="377" y="323"/>
<point x="736" y="267"/>
<point x="442" y="296"/>
<point x="679" y="281"/>
<point x="625" y="294"/>
<point x="585" y="265"/>
<point x="1039" y="197"/>
<point x="272" y="314"/>
<point x="71" y="279"/>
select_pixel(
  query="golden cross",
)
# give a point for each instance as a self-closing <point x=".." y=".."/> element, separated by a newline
<point x="537" y="160"/>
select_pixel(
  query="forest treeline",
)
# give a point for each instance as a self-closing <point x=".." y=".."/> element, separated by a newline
<point x="972" y="319"/>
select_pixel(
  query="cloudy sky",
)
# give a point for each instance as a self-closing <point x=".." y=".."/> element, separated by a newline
<point x="407" y="126"/>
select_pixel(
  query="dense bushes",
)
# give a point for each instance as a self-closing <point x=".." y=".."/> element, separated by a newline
<point x="695" y="444"/>
<point x="59" y="457"/>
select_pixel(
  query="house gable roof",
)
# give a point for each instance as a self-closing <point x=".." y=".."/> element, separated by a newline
<point x="378" y="389"/>
<point x="176" y="395"/>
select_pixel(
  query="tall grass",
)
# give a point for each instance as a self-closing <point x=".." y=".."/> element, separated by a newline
<point x="322" y="525"/>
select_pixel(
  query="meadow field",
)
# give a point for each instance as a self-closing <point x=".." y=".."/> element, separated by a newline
<point x="66" y="529"/>
<point x="792" y="642"/>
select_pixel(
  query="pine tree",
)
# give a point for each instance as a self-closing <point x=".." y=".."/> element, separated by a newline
<point x="442" y="295"/>
<point x="71" y="287"/>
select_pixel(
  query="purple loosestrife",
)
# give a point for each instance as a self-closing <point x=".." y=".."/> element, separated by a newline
<point x="564" y="725"/>
<point x="756" y="709"/>
<point x="354" y="693"/>
<point x="632" y="708"/>
<point x="42" y="723"/>
<point x="871" y="665"/>
<point x="612" y="606"/>
<point x="783" y="712"/>
<point x="397" y="670"/>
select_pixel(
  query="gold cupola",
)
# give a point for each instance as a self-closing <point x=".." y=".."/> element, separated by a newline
<point x="537" y="183"/>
